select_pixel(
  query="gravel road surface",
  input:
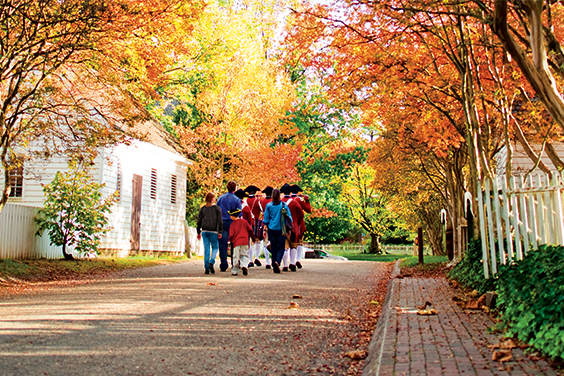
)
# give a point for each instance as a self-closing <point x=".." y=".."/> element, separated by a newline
<point x="174" y="320"/>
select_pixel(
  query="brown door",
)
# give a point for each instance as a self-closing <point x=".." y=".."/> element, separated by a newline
<point x="136" y="212"/>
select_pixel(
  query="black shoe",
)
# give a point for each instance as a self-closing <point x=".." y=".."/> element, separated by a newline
<point x="275" y="267"/>
<point x="268" y="266"/>
<point x="222" y="270"/>
<point x="212" y="270"/>
<point x="245" y="272"/>
<point x="299" y="265"/>
<point x="206" y="271"/>
<point x="251" y="265"/>
<point x="285" y="269"/>
<point x="293" y="267"/>
<point x="257" y="262"/>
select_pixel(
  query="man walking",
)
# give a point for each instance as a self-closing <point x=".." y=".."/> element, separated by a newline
<point x="228" y="202"/>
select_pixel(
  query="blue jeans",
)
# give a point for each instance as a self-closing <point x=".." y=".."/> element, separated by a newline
<point x="210" y="244"/>
<point x="223" y="265"/>
<point x="277" y="242"/>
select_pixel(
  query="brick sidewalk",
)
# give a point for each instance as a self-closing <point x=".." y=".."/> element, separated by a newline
<point x="450" y="343"/>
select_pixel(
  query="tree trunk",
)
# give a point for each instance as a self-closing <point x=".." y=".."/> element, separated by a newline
<point x="375" y="244"/>
<point x="535" y="70"/>
<point x="68" y="256"/>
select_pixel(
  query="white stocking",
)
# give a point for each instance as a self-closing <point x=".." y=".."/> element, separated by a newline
<point x="285" y="259"/>
<point x="266" y="256"/>
<point x="300" y="253"/>
<point x="293" y="256"/>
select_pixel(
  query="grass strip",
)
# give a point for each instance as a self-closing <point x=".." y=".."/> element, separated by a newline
<point x="53" y="270"/>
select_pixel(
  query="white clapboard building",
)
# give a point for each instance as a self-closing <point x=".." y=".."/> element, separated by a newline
<point x="149" y="172"/>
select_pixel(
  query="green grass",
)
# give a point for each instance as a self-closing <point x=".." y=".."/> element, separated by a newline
<point x="412" y="261"/>
<point x="47" y="270"/>
<point x="359" y="256"/>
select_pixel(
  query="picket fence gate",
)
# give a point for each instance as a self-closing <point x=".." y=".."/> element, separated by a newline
<point x="518" y="216"/>
<point x="17" y="235"/>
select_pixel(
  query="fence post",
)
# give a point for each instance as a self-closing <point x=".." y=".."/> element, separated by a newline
<point x="515" y="211"/>
<point x="523" y="215"/>
<point x="532" y="216"/>
<point x="420" y="244"/>
<point x="483" y="233"/>
<point x="496" y="205"/>
<point x="506" y="215"/>
<point x="541" y="222"/>
<point x="559" y="223"/>
<point x="489" y="217"/>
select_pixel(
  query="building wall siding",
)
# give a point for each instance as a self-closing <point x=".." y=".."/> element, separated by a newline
<point x="162" y="222"/>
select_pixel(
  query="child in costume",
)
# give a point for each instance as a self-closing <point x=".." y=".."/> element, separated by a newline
<point x="239" y="234"/>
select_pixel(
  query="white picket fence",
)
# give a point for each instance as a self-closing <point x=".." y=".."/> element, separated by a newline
<point x="518" y="217"/>
<point x="17" y="235"/>
<point x="359" y="248"/>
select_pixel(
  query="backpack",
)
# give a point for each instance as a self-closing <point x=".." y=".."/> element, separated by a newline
<point x="285" y="221"/>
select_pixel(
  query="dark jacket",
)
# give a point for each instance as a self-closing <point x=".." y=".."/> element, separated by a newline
<point x="209" y="219"/>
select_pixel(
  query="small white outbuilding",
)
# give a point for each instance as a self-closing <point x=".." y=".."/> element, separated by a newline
<point x="149" y="174"/>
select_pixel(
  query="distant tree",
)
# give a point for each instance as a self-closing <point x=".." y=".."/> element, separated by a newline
<point x="75" y="212"/>
<point x="368" y="207"/>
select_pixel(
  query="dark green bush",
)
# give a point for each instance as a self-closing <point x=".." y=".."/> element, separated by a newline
<point x="531" y="299"/>
<point x="470" y="272"/>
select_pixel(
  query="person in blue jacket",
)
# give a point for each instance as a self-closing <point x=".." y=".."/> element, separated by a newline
<point x="273" y="222"/>
<point x="227" y="202"/>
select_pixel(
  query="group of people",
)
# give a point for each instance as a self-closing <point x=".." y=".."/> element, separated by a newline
<point x="251" y="222"/>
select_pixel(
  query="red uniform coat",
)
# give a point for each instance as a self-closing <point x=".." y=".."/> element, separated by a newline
<point x="263" y="204"/>
<point x="253" y="203"/>
<point x="240" y="232"/>
<point x="247" y="215"/>
<point x="306" y="207"/>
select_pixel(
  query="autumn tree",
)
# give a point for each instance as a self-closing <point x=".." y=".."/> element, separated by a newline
<point x="57" y="57"/>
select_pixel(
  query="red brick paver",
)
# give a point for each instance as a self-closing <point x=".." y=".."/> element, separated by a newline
<point x="450" y="343"/>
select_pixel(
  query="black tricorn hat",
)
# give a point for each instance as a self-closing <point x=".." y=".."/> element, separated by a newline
<point x="240" y="193"/>
<point x="286" y="189"/>
<point x="252" y="189"/>
<point x="268" y="191"/>
<point x="296" y="188"/>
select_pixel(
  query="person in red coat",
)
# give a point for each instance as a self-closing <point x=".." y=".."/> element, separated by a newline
<point x="253" y="202"/>
<point x="286" y="189"/>
<point x="239" y="234"/>
<point x="299" y="220"/>
<point x="262" y="205"/>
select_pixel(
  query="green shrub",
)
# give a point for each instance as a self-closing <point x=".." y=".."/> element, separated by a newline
<point x="469" y="272"/>
<point x="531" y="299"/>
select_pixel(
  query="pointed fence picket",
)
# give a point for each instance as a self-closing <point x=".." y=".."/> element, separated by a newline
<point x="517" y="217"/>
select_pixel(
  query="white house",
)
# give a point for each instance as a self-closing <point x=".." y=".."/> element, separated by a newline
<point x="150" y="175"/>
<point x="521" y="163"/>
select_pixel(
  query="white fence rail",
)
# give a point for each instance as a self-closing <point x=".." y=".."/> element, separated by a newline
<point x="518" y="216"/>
<point x="359" y="248"/>
<point x="17" y="235"/>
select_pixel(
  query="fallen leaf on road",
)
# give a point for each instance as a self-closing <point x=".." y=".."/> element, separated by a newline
<point x="293" y="305"/>
<point x="211" y="283"/>
<point x="459" y="299"/>
<point x="472" y="305"/>
<point x="427" y="312"/>
<point x="474" y="293"/>
<point x="356" y="354"/>
<point x="375" y="302"/>
<point x="295" y="296"/>
<point x="502" y="355"/>
<point x="424" y="306"/>
<point x="505" y="344"/>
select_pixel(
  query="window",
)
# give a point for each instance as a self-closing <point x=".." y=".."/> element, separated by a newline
<point x="15" y="178"/>
<point x="173" y="189"/>
<point x="154" y="183"/>
<point x="118" y="182"/>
